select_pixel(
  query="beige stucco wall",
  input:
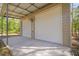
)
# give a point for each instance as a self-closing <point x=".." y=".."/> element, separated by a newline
<point x="26" y="27"/>
<point x="48" y="25"/>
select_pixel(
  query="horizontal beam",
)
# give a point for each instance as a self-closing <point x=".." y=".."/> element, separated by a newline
<point x="14" y="13"/>
<point x="13" y="16"/>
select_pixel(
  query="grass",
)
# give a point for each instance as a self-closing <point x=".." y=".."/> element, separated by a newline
<point x="4" y="51"/>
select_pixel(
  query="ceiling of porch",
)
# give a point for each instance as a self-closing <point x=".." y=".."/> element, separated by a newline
<point x="18" y="10"/>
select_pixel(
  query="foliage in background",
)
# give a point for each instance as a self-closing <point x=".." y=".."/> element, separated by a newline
<point x="13" y="25"/>
<point x="75" y="28"/>
<point x="75" y="24"/>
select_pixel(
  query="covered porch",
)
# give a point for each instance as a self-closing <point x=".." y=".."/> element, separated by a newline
<point x="45" y="29"/>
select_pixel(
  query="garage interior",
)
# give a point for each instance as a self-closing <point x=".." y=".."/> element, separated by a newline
<point x="45" y="29"/>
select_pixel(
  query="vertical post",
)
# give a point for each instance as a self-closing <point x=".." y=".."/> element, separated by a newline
<point x="72" y="18"/>
<point x="33" y="27"/>
<point x="7" y="22"/>
<point x="21" y="27"/>
<point x="66" y="24"/>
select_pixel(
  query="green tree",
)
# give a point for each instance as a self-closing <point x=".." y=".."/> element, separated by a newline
<point x="76" y="20"/>
<point x="13" y="25"/>
<point x="75" y="23"/>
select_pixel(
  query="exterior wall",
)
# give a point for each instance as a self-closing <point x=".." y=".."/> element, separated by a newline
<point x="48" y="25"/>
<point x="26" y="27"/>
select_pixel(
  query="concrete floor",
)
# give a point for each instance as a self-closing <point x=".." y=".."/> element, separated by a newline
<point x="22" y="46"/>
